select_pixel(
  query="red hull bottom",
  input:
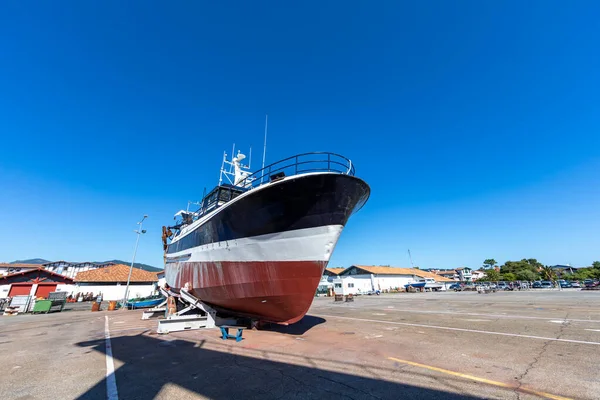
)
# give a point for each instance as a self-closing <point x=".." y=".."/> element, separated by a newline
<point x="274" y="291"/>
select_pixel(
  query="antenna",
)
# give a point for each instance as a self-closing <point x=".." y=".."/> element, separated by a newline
<point x="222" y="167"/>
<point x="265" y="148"/>
<point x="411" y="262"/>
<point x="232" y="155"/>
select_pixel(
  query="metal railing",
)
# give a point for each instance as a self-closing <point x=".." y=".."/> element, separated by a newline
<point x="300" y="164"/>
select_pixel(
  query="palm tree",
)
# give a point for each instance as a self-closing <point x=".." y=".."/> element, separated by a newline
<point x="548" y="274"/>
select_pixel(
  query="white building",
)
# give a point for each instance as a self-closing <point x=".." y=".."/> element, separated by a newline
<point x="111" y="281"/>
<point x="8" y="269"/>
<point x="71" y="270"/>
<point x="160" y="275"/>
<point x="366" y="278"/>
<point x="476" y="275"/>
<point x="464" y="274"/>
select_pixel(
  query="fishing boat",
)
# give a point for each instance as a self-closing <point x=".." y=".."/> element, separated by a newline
<point x="259" y="242"/>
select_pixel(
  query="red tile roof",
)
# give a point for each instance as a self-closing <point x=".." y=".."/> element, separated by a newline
<point x="335" y="271"/>
<point x="116" y="273"/>
<point x="402" y="271"/>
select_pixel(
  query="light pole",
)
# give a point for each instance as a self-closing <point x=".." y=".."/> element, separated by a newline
<point x="139" y="232"/>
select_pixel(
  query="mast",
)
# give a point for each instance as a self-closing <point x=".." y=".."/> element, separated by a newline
<point x="411" y="261"/>
<point x="265" y="147"/>
<point x="250" y="161"/>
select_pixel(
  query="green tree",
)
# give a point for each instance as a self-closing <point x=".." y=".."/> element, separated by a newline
<point x="526" y="269"/>
<point x="492" y="275"/>
<point x="509" y="276"/>
<point x="583" y="274"/>
<point x="489" y="263"/>
<point x="548" y="274"/>
<point x="596" y="265"/>
<point x="527" y="275"/>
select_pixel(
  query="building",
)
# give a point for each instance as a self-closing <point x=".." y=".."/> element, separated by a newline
<point x="71" y="269"/>
<point x="111" y="281"/>
<point x="34" y="282"/>
<point x="160" y="275"/>
<point x="450" y="274"/>
<point x="563" y="269"/>
<point x="330" y="273"/>
<point x="464" y="274"/>
<point x="366" y="278"/>
<point x="8" y="269"/>
<point x="477" y="275"/>
<point x="326" y="282"/>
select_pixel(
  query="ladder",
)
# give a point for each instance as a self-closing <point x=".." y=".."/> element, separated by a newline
<point x="195" y="315"/>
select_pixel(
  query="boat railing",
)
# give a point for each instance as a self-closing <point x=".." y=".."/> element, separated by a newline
<point x="299" y="164"/>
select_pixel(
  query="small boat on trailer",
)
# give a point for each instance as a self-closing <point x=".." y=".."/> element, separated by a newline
<point x="425" y="283"/>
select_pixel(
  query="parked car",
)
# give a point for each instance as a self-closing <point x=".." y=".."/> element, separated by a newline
<point x="457" y="287"/>
<point x="547" y="285"/>
<point x="592" y="283"/>
<point x="502" y="285"/>
<point x="575" y="284"/>
<point x="565" y="284"/>
<point x="537" y="285"/>
<point x="371" y="292"/>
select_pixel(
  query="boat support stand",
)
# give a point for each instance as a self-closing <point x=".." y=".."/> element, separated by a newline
<point x="195" y="315"/>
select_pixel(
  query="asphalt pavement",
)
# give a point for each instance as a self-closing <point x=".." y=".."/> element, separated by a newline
<point x="466" y="345"/>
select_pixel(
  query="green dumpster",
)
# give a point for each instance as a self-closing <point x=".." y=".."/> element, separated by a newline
<point x="42" y="306"/>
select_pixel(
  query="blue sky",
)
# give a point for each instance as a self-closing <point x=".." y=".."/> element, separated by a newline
<point x="475" y="123"/>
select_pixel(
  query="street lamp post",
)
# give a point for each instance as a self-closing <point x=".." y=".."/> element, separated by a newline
<point x="139" y="232"/>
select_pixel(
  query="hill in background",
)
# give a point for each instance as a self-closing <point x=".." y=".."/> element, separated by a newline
<point x="31" y="261"/>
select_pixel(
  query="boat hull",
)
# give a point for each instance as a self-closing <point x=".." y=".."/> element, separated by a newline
<point x="263" y="257"/>
<point x="270" y="291"/>
<point x="144" y="303"/>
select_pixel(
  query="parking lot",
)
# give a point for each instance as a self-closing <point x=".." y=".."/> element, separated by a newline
<point x="529" y="344"/>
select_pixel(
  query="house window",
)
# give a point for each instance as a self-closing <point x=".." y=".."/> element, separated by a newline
<point x="338" y="285"/>
<point x="351" y="285"/>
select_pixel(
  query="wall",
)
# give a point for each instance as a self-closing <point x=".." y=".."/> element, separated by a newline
<point x="117" y="291"/>
<point x="386" y="282"/>
<point x="4" y="289"/>
<point x="69" y="289"/>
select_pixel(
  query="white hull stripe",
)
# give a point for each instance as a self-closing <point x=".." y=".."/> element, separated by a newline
<point x="310" y="244"/>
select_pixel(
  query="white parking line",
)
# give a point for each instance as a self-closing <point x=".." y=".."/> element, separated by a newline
<point x="461" y="329"/>
<point x="491" y="315"/>
<point x="111" y="382"/>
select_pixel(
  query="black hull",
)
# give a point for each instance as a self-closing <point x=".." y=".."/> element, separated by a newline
<point x="305" y="201"/>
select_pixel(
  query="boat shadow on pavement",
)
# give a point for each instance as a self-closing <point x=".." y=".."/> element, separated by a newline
<point x="299" y="328"/>
<point x="147" y="367"/>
